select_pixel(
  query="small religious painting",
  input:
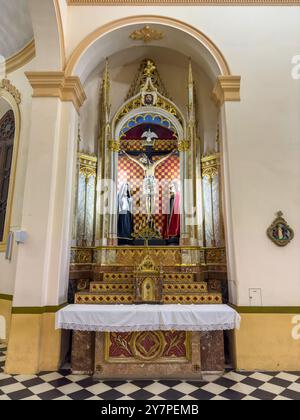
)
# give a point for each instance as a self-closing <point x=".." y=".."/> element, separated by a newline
<point x="280" y="232"/>
<point x="149" y="99"/>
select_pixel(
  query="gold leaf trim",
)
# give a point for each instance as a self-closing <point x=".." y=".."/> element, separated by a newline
<point x="21" y="58"/>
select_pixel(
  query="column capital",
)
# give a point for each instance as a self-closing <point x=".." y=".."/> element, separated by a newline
<point x="57" y="85"/>
<point x="227" y="88"/>
<point x="210" y="165"/>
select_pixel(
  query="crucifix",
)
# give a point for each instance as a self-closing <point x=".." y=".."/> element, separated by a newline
<point x="150" y="182"/>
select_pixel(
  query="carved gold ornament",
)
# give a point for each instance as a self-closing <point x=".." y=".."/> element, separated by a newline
<point x="162" y="256"/>
<point x="184" y="146"/>
<point x="114" y="146"/>
<point x="147" y="69"/>
<point x="147" y="233"/>
<point x="147" y="265"/>
<point x="6" y="85"/>
<point x="210" y="166"/>
<point x="148" y="346"/>
<point x="87" y="165"/>
<point x="280" y="232"/>
<point x="147" y="34"/>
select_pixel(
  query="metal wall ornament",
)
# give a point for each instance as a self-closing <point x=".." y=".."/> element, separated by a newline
<point x="147" y="34"/>
<point x="280" y="232"/>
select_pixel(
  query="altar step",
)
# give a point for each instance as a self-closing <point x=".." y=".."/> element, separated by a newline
<point x="120" y="289"/>
<point x="173" y="277"/>
<point x="107" y="298"/>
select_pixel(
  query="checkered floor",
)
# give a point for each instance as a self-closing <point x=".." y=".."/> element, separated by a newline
<point x="64" y="386"/>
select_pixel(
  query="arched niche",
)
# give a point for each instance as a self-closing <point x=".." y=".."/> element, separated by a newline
<point x="113" y="39"/>
<point x="9" y="143"/>
<point x="154" y="113"/>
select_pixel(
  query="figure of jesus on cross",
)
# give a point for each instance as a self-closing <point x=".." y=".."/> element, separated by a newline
<point x="150" y="182"/>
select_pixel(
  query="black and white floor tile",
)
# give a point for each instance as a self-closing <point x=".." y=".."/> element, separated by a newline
<point x="64" y="386"/>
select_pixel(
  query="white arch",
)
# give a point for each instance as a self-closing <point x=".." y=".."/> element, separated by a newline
<point x="47" y="33"/>
<point x="106" y="40"/>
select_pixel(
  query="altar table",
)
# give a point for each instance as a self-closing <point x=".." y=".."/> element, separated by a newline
<point x="127" y="318"/>
<point x="148" y="341"/>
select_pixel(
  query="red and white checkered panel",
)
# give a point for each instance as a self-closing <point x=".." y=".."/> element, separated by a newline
<point x="168" y="171"/>
<point x="132" y="173"/>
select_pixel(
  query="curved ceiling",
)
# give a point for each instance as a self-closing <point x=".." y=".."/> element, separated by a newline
<point x="15" y="27"/>
<point x="119" y="40"/>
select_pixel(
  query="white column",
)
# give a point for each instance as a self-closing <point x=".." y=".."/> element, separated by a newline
<point x="43" y="261"/>
<point x="226" y="187"/>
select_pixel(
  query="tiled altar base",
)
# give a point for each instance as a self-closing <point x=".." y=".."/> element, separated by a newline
<point x="63" y="386"/>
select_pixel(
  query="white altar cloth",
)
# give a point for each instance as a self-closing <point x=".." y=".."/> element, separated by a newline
<point x="127" y="318"/>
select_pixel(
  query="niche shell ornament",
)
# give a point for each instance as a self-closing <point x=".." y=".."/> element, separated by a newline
<point x="280" y="232"/>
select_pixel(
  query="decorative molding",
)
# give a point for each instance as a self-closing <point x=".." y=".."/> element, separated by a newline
<point x="183" y="2"/>
<point x="227" y="88"/>
<point x="11" y="89"/>
<point x="147" y="34"/>
<point x="21" y="58"/>
<point x="57" y="85"/>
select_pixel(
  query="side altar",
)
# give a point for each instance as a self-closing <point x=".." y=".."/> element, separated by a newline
<point x="149" y="240"/>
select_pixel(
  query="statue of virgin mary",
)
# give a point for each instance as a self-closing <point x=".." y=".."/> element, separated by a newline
<point x="125" y="213"/>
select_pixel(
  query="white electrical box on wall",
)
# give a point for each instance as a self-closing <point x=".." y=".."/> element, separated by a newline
<point x="21" y="236"/>
<point x="255" y="297"/>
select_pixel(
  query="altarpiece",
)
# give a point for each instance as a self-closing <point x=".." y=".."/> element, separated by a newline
<point x="156" y="237"/>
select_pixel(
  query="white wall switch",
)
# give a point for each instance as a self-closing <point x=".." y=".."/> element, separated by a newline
<point x="255" y="297"/>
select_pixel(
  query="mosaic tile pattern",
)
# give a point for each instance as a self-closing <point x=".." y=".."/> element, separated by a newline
<point x="232" y="386"/>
